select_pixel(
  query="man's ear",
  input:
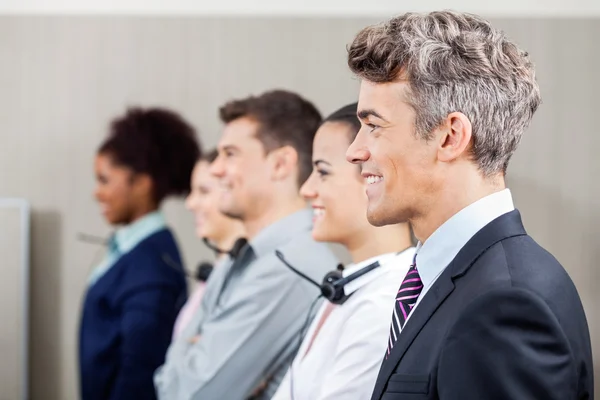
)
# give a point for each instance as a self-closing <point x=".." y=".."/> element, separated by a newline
<point x="454" y="138"/>
<point x="284" y="162"/>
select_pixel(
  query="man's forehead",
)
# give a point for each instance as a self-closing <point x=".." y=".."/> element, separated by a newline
<point x="381" y="96"/>
<point x="237" y="131"/>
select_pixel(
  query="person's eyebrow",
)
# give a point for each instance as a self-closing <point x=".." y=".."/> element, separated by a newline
<point x="364" y="114"/>
<point x="229" y="147"/>
<point x="317" y="162"/>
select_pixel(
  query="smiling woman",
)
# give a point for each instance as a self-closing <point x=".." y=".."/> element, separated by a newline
<point x="342" y="350"/>
<point x="135" y="293"/>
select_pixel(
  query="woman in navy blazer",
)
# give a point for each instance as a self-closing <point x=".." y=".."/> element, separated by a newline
<point x="135" y="293"/>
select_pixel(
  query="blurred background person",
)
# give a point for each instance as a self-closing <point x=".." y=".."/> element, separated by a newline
<point x="341" y="353"/>
<point x="254" y="308"/>
<point x="212" y="225"/>
<point x="135" y="293"/>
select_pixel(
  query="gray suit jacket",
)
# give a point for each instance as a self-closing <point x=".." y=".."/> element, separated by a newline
<point x="250" y="320"/>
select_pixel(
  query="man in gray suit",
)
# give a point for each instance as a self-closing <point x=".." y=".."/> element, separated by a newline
<point x="254" y="307"/>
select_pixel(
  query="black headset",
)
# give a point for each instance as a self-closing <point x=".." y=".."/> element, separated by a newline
<point x="333" y="284"/>
<point x="203" y="271"/>
<point x="205" y="268"/>
<point x="233" y="252"/>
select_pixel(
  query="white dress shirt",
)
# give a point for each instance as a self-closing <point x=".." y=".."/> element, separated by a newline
<point x="345" y="355"/>
<point x="443" y="245"/>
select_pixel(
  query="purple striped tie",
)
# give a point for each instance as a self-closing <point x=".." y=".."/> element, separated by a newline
<point x="405" y="301"/>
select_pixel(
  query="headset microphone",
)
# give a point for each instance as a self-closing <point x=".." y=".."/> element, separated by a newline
<point x="333" y="284"/>
<point x="283" y="260"/>
<point x="233" y="252"/>
<point x="203" y="271"/>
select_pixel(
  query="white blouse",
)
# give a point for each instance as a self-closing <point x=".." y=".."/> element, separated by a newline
<point x="344" y="358"/>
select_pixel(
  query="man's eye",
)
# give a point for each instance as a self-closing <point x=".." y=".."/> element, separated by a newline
<point x="372" y="127"/>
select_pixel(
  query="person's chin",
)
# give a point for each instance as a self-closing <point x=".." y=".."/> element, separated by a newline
<point x="319" y="234"/>
<point x="232" y="212"/>
<point x="376" y="215"/>
<point x="111" y="219"/>
<point x="383" y="214"/>
<point x="323" y="233"/>
<point x="226" y="208"/>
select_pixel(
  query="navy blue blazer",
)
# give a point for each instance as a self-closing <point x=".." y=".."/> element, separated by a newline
<point x="128" y="318"/>
<point x="502" y="322"/>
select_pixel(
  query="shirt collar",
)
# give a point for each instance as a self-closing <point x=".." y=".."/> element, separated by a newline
<point x="433" y="256"/>
<point x="129" y="236"/>
<point x="386" y="261"/>
<point x="281" y="231"/>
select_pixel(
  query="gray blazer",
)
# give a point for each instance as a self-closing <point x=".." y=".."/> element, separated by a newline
<point x="251" y="315"/>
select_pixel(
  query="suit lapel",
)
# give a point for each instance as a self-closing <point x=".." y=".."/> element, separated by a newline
<point x="426" y="308"/>
<point x="503" y="227"/>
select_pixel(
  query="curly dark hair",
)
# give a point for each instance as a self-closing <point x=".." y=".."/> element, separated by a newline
<point x="285" y="119"/>
<point x="157" y="142"/>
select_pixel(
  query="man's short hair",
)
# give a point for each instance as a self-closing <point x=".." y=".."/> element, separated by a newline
<point x="284" y="119"/>
<point x="454" y="62"/>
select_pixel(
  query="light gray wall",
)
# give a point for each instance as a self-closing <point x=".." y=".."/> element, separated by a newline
<point x="63" y="78"/>
<point x="13" y="297"/>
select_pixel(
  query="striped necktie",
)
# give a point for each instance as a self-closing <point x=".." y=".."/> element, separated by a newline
<point x="405" y="301"/>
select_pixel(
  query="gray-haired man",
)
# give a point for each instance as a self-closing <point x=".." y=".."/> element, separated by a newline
<point x="485" y="313"/>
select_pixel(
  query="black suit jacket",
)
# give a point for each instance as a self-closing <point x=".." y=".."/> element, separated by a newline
<point x="503" y="321"/>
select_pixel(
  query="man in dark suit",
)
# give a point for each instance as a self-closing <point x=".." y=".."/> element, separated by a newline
<point x="485" y="313"/>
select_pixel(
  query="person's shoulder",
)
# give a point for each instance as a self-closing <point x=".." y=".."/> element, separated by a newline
<point x="393" y="271"/>
<point x="519" y="268"/>
<point x="163" y="239"/>
<point x="301" y="252"/>
<point x="155" y="258"/>
<point x="525" y="250"/>
<point x="371" y="305"/>
<point x="312" y="258"/>
<point x="532" y="267"/>
<point x="378" y="294"/>
<point x="304" y="247"/>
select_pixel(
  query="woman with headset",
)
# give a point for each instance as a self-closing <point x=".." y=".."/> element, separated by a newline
<point x="342" y="349"/>
<point x="218" y="231"/>
<point x="135" y="293"/>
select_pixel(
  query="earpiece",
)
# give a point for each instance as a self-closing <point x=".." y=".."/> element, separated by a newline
<point x="332" y="287"/>
<point x="333" y="284"/>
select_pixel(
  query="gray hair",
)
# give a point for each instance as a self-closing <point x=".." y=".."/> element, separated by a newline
<point x="454" y="62"/>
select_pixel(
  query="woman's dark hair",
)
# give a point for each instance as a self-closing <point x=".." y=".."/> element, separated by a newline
<point x="157" y="142"/>
<point x="346" y="115"/>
